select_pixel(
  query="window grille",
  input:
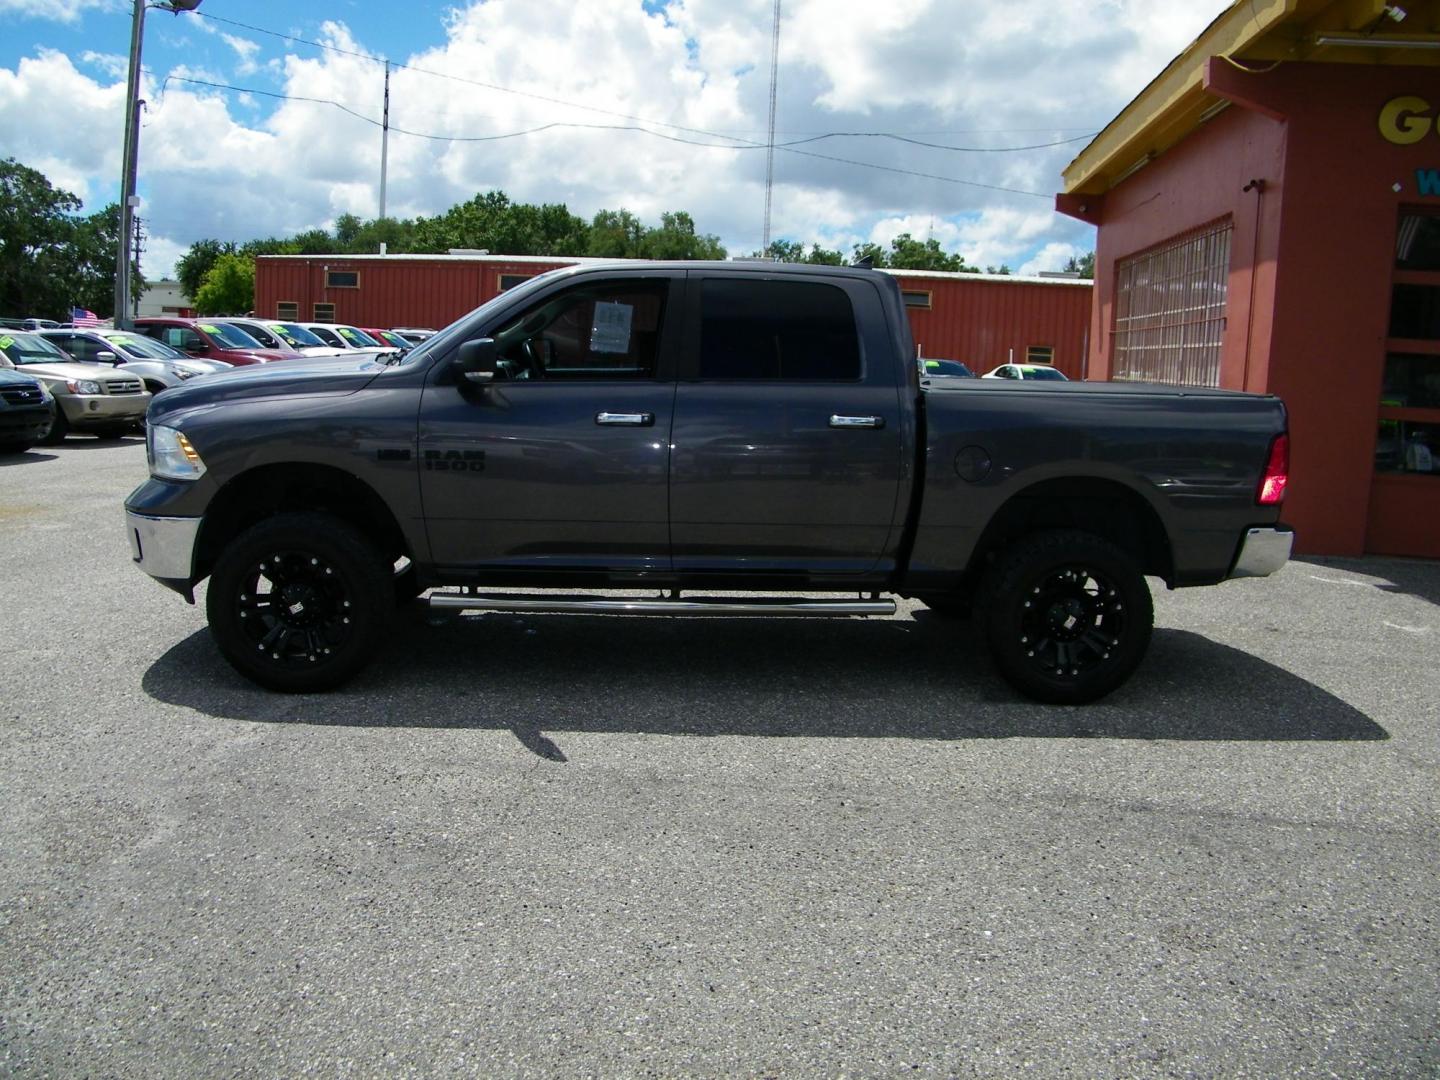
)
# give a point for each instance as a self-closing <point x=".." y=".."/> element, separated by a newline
<point x="287" y="311"/>
<point x="1040" y="354"/>
<point x="1170" y="310"/>
<point x="324" y="312"/>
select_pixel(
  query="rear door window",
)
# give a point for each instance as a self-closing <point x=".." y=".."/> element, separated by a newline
<point x="784" y="330"/>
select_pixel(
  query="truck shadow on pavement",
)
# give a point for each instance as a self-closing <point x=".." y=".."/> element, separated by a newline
<point x="926" y="678"/>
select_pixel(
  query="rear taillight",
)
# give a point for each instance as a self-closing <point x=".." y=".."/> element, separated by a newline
<point x="1277" y="473"/>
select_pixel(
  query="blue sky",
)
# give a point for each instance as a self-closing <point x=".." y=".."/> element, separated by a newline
<point x="977" y="82"/>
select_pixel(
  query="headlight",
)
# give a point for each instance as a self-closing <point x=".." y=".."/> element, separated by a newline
<point x="83" y="386"/>
<point x="171" y="455"/>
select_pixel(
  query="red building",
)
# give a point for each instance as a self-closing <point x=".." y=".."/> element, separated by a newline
<point x="1269" y="220"/>
<point x="980" y="319"/>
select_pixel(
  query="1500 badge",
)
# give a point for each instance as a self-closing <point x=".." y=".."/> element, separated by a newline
<point x="454" y="460"/>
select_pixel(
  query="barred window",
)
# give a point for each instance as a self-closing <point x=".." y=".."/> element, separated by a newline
<point x="1170" y="310"/>
<point x="287" y="311"/>
<point x="324" y="312"/>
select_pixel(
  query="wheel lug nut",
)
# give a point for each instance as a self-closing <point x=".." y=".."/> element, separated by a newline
<point x="314" y="562"/>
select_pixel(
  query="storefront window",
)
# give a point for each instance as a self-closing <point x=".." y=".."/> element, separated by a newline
<point x="1408" y="438"/>
<point x="1412" y="380"/>
<point x="1417" y="245"/>
<point x="1170" y="310"/>
<point x="1415" y="312"/>
<point x="1408" y="446"/>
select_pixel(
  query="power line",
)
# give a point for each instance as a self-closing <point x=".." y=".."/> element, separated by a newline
<point x="746" y="143"/>
<point x="789" y="148"/>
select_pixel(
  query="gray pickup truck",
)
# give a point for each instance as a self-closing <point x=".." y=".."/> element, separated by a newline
<point x="671" y="427"/>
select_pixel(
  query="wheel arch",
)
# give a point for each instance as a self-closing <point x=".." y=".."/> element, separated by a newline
<point x="1098" y="505"/>
<point x="286" y="487"/>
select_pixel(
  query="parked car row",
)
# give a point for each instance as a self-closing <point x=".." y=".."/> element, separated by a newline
<point x="63" y="379"/>
<point x="93" y="398"/>
<point x="954" y="369"/>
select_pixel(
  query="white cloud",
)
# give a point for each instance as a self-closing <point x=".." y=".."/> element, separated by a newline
<point x="1053" y="256"/>
<point x="67" y="11"/>
<point x="944" y="71"/>
<point x="246" y="51"/>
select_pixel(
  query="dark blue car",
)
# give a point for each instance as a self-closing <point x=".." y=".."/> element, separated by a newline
<point x="26" y="411"/>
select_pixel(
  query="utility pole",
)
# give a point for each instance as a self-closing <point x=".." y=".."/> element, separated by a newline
<point x="385" y="141"/>
<point x="139" y="242"/>
<point x="128" y="198"/>
<point x="770" y="151"/>
<point x="127" y="180"/>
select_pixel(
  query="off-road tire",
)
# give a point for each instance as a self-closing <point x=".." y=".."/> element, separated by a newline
<point x="298" y="603"/>
<point x="1067" y="616"/>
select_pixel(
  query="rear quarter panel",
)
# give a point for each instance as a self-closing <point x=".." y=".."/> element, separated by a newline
<point x="1195" y="457"/>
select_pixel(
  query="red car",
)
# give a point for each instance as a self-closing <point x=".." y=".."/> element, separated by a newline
<point x="212" y="340"/>
<point x="388" y="337"/>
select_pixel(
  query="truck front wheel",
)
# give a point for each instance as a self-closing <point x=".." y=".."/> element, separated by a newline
<point x="1067" y="616"/>
<point x="298" y="602"/>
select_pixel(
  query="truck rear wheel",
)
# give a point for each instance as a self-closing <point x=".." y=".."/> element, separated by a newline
<point x="1067" y="616"/>
<point x="298" y="602"/>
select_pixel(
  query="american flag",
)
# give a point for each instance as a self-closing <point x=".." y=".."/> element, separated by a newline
<point x="81" y="317"/>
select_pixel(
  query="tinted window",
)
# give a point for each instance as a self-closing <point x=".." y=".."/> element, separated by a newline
<point x="777" y="330"/>
<point x="81" y="348"/>
<point x="601" y="330"/>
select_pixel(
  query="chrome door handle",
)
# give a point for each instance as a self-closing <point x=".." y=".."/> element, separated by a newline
<point x="625" y="419"/>
<point x="857" y="421"/>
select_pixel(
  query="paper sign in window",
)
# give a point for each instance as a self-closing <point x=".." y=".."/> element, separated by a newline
<point x="611" y="330"/>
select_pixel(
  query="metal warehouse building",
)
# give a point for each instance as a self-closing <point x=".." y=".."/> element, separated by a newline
<point x="980" y="319"/>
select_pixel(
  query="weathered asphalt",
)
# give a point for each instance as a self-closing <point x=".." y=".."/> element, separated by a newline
<point x="561" y="846"/>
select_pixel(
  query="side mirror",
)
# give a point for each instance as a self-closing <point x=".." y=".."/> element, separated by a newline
<point x="107" y="357"/>
<point x="475" y="360"/>
<point x="197" y="348"/>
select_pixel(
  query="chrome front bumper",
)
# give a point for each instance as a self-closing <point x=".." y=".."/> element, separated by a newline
<point x="163" y="547"/>
<point x="1262" y="552"/>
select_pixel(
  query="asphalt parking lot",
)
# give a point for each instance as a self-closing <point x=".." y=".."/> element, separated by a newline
<point x="566" y="845"/>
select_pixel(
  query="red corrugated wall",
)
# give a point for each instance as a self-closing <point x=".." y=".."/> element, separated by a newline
<point x="980" y="320"/>
<point x="985" y="322"/>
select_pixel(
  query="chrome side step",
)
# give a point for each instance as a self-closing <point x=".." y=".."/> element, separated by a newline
<point x="625" y="605"/>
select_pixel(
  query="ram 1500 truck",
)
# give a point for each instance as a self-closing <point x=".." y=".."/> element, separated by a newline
<point x="664" y="428"/>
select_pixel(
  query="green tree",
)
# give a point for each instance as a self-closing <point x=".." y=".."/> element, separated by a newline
<point x="615" y="234"/>
<point x="676" y="238"/>
<point x="907" y="253"/>
<point x="1003" y="270"/>
<point x="191" y="268"/>
<point x="1084" y="266"/>
<point x="90" y="271"/>
<point x="874" y="252"/>
<point x="50" y="258"/>
<point x="793" y="251"/>
<point x="229" y="287"/>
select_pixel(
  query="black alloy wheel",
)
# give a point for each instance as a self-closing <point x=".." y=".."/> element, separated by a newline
<point x="1068" y="616"/>
<point x="297" y="602"/>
